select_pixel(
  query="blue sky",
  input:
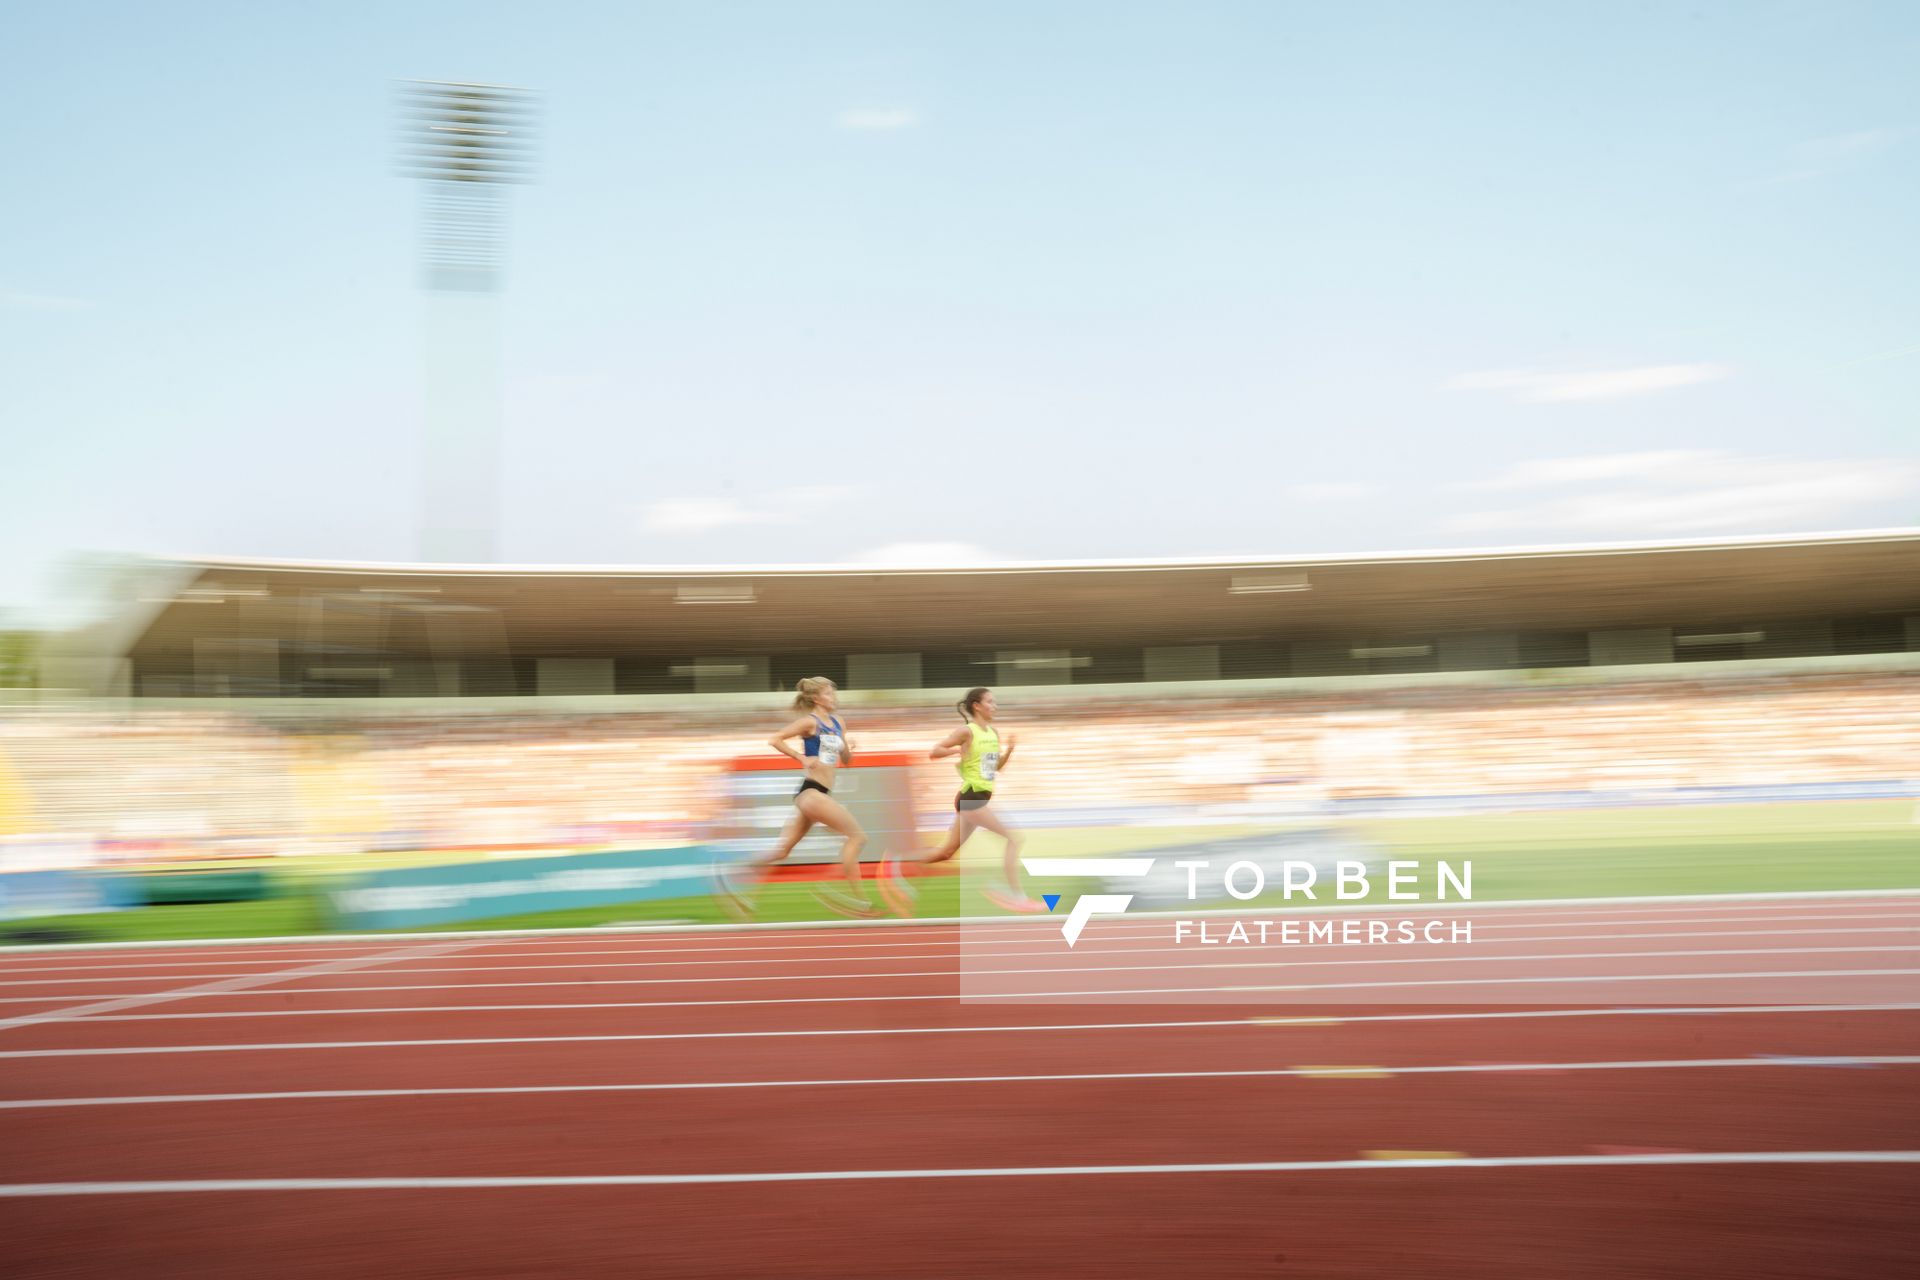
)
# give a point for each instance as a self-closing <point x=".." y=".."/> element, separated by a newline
<point x="822" y="282"/>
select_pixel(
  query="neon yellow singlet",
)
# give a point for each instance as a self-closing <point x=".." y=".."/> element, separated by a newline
<point x="981" y="760"/>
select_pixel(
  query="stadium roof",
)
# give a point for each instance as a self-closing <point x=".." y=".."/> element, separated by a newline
<point x="561" y="610"/>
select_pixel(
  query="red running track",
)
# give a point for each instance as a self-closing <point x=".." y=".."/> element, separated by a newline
<point x="824" y="1103"/>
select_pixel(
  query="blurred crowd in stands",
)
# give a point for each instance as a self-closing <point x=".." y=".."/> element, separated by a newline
<point x="232" y="782"/>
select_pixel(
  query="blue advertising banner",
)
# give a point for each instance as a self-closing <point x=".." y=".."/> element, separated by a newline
<point x="25" y="894"/>
<point x="413" y="897"/>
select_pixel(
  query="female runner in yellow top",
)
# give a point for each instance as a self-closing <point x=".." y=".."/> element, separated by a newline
<point x="824" y="748"/>
<point x="984" y="752"/>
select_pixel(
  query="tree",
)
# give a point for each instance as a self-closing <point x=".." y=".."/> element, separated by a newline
<point x="19" y="651"/>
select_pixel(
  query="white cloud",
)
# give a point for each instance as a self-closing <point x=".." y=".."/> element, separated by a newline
<point x="704" y="515"/>
<point x="1595" y="466"/>
<point x="1818" y="157"/>
<point x="1845" y="146"/>
<point x="927" y="554"/>
<point x="701" y="515"/>
<point x="14" y="299"/>
<point x="1533" y="386"/>
<point x="1329" y="491"/>
<point x="815" y="495"/>
<point x="879" y="118"/>
<point x="1876" y="357"/>
<point x="1692" y="492"/>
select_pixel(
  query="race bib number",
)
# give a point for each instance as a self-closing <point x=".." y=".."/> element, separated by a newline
<point x="832" y="746"/>
<point x="989" y="764"/>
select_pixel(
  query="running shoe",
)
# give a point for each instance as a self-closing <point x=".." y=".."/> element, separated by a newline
<point x="841" y="902"/>
<point x="732" y="896"/>
<point x="1007" y="900"/>
<point x="896" y="886"/>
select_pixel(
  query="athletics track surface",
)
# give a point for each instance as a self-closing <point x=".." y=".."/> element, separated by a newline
<point x="1719" y="1088"/>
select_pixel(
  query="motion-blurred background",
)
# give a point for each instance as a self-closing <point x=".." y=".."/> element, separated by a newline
<point x="435" y="438"/>
<point x="1147" y="365"/>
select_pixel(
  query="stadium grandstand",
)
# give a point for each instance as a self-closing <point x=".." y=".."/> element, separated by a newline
<point x="280" y="629"/>
<point x="334" y="708"/>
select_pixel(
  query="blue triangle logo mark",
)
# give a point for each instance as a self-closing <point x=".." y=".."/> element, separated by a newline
<point x="1051" y="899"/>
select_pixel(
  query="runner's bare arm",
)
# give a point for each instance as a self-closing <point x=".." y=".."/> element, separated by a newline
<point x="949" y="745"/>
<point x="798" y="729"/>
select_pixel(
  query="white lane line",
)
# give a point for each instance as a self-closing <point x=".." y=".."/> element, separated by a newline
<point x="618" y="1037"/>
<point x="1901" y="903"/>
<point x="1487" y="914"/>
<point x="1911" y="919"/>
<point x="1258" y="1073"/>
<point x="1580" y="907"/>
<point x="41" y="1190"/>
<point x="1245" y="1022"/>
<point x="893" y="946"/>
<point x="1084" y="993"/>
<point x="1167" y="947"/>
<point x="1912" y="922"/>
<point x="227" y="986"/>
<point x="484" y="951"/>
<point x="143" y="977"/>
<point x="1087" y="993"/>
<point x="971" y="972"/>
<point x="417" y="1009"/>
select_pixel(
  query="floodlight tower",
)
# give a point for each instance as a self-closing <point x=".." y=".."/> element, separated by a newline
<point x="466" y="143"/>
